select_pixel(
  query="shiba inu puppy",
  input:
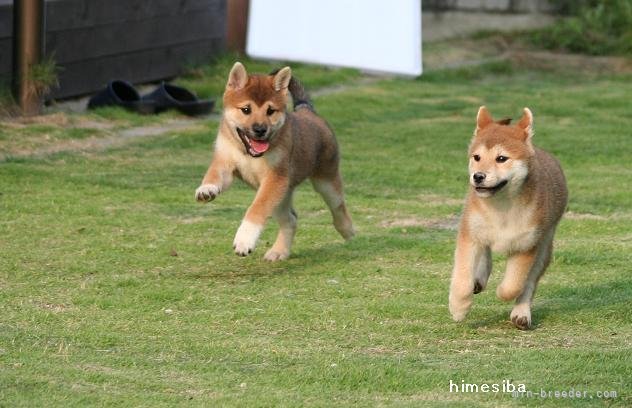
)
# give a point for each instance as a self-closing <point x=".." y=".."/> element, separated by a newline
<point x="273" y="150"/>
<point x="516" y="198"/>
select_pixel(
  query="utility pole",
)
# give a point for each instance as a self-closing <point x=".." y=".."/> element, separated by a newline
<point x="28" y="47"/>
<point x="236" y="25"/>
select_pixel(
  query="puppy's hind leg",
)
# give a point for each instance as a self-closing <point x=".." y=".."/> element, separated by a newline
<point x="516" y="274"/>
<point x="332" y="192"/>
<point x="521" y="312"/>
<point x="286" y="216"/>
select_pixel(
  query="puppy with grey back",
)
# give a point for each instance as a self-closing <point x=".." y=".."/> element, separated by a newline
<point x="516" y="198"/>
<point x="273" y="150"/>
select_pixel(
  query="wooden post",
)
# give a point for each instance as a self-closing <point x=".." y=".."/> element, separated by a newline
<point x="236" y="25"/>
<point x="28" y="43"/>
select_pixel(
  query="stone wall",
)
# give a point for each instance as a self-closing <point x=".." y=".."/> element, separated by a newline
<point x="496" y="6"/>
<point x="443" y="19"/>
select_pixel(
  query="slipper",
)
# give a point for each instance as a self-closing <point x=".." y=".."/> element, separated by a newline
<point x="168" y="96"/>
<point x="121" y="93"/>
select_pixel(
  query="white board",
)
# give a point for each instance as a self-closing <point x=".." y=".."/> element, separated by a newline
<point x="374" y="35"/>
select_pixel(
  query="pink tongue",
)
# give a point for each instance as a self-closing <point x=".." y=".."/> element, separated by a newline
<point x="259" y="146"/>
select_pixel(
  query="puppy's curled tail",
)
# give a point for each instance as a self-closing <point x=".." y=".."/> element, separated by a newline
<point x="299" y="94"/>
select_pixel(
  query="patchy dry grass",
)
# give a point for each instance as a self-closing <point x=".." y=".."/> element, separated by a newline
<point x="117" y="289"/>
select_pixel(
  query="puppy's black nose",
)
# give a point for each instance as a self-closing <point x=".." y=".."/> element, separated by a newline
<point x="479" y="177"/>
<point x="259" y="130"/>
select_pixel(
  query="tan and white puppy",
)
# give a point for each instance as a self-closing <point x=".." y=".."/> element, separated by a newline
<point x="273" y="150"/>
<point x="516" y="198"/>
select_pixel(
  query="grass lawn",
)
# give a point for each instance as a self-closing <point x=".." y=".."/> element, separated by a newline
<point x="118" y="289"/>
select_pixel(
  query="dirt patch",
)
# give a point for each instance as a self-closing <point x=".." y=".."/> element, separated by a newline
<point x="55" y="119"/>
<point x="55" y="308"/>
<point x="588" y="216"/>
<point x="107" y="139"/>
<point x="436" y="200"/>
<point x="570" y="62"/>
<point x="460" y="53"/>
<point x="583" y="216"/>
<point x="85" y="123"/>
<point x="463" y="52"/>
<point x="382" y="350"/>
<point x="436" y="119"/>
<point x="450" y="223"/>
<point x="336" y="89"/>
<point x="192" y="220"/>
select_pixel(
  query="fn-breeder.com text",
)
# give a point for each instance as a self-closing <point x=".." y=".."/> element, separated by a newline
<point x="519" y="390"/>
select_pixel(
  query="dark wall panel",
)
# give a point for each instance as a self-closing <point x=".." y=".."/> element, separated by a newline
<point x="94" y="41"/>
<point x="6" y="20"/>
<point x="6" y="59"/>
<point x="144" y="66"/>
<point x="6" y="42"/>
<point x="68" y="14"/>
<point x="103" y="40"/>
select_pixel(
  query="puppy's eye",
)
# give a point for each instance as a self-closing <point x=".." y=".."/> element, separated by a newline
<point x="246" y="110"/>
<point x="476" y="157"/>
<point x="501" y="159"/>
<point x="270" y="111"/>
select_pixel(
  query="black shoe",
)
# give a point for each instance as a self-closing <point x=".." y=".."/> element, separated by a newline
<point x="168" y="96"/>
<point x="121" y="93"/>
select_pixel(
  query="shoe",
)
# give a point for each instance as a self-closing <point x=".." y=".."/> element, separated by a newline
<point x="168" y="96"/>
<point x="121" y="93"/>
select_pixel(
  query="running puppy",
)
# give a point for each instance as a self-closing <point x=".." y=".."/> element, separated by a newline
<point x="273" y="151"/>
<point x="516" y="198"/>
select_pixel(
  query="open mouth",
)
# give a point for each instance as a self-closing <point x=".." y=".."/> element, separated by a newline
<point x="255" y="148"/>
<point x="491" y="190"/>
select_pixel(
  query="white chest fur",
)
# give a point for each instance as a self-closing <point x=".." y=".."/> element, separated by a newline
<point x="250" y="169"/>
<point x="505" y="230"/>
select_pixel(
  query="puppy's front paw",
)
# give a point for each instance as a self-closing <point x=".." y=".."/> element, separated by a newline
<point x="460" y="306"/>
<point x="206" y="193"/>
<point x="246" y="238"/>
<point x="458" y="313"/>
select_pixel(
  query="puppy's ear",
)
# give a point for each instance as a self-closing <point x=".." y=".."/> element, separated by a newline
<point x="238" y="77"/>
<point x="282" y="79"/>
<point x="483" y="119"/>
<point x="526" y="124"/>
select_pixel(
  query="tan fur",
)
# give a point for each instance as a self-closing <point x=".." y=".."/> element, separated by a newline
<point x="301" y="146"/>
<point x="518" y="219"/>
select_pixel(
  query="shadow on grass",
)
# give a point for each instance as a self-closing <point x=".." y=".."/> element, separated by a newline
<point x="332" y="256"/>
<point x="337" y="250"/>
<point x="575" y="299"/>
<point x="563" y="301"/>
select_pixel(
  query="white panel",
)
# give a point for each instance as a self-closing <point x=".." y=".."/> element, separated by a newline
<point x="376" y="35"/>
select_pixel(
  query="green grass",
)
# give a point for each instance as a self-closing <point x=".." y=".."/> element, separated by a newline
<point x="117" y="289"/>
<point x="209" y="81"/>
<point x="7" y="101"/>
